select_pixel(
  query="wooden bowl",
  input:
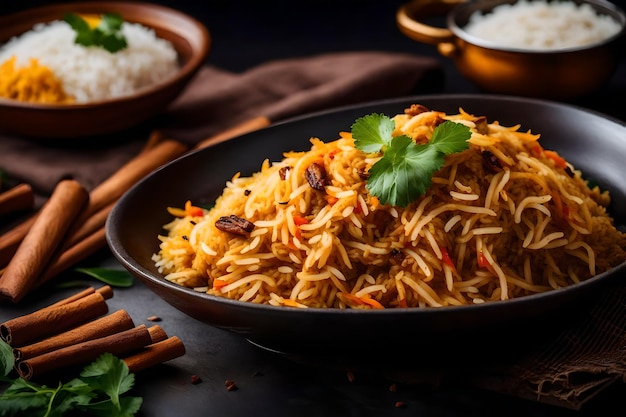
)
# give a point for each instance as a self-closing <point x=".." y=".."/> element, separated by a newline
<point x="190" y="39"/>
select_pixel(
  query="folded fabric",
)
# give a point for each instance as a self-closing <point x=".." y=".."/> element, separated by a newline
<point x="216" y="100"/>
<point x="576" y="363"/>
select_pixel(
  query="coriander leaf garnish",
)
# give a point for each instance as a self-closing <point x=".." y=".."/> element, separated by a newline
<point x="98" y="392"/>
<point x="372" y="133"/>
<point x="405" y="170"/>
<point x="107" y="34"/>
<point x="450" y="137"/>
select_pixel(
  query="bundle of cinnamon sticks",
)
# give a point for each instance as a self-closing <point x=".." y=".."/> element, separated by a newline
<point x="70" y="226"/>
<point x="77" y="329"/>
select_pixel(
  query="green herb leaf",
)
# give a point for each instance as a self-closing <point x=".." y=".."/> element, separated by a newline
<point x="97" y="392"/>
<point x="373" y="132"/>
<point x="28" y="398"/>
<point x="113" y="277"/>
<point x="110" y="376"/>
<point x="84" y="34"/>
<point x="129" y="407"/>
<point x="107" y="35"/>
<point x="7" y="360"/>
<point x="405" y="170"/>
<point x="450" y="137"/>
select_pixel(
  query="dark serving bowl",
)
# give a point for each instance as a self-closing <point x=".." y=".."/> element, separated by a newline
<point x="592" y="142"/>
<point x="50" y="122"/>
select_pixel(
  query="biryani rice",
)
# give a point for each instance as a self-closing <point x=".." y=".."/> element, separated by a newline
<point x="503" y="219"/>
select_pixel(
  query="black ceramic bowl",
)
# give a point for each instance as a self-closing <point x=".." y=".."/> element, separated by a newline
<point x="592" y="142"/>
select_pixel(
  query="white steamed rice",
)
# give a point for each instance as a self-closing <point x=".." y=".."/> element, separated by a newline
<point x="92" y="73"/>
<point x="542" y="25"/>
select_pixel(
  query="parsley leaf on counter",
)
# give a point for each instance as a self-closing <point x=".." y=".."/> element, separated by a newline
<point x="7" y="360"/>
<point x="107" y="34"/>
<point x="113" y="277"/>
<point x="406" y="168"/>
<point x="99" y="391"/>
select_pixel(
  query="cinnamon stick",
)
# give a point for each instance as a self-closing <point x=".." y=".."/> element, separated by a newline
<point x="87" y="227"/>
<point x="103" y="195"/>
<point x="240" y="129"/>
<point x="118" y="344"/>
<point x="104" y="326"/>
<point x="157" y="333"/>
<point x="105" y="290"/>
<point x="46" y="322"/>
<point x="111" y="189"/>
<point x="156" y="136"/>
<point x="36" y="249"/>
<point x="88" y="235"/>
<point x="10" y="241"/>
<point x="18" y="198"/>
<point x="73" y="255"/>
<point x="155" y="354"/>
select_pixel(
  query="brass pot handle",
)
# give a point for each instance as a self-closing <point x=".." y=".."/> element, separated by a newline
<point x="409" y="15"/>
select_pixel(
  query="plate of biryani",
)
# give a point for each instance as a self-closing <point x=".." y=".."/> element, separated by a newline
<point x="442" y="223"/>
<point x="86" y="69"/>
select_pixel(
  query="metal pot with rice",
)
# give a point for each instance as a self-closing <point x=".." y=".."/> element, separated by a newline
<point x="559" y="49"/>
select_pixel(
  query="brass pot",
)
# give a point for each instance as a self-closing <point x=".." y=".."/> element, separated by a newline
<point x="553" y="74"/>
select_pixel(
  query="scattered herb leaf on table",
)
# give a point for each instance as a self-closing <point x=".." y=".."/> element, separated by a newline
<point x="99" y="391"/>
<point x="113" y="277"/>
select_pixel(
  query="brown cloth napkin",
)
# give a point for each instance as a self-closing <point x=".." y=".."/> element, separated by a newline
<point x="567" y="371"/>
<point x="574" y="365"/>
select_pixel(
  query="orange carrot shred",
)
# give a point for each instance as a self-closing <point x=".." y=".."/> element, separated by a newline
<point x="219" y="283"/>
<point x="559" y="162"/>
<point x="482" y="260"/>
<point x="177" y="212"/>
<point x="373" y="303"/>
<point x="192" y="210"/>
<point x="366" y="300"/>
<point x="446" y="258"/>
<point x="299" y="220"/>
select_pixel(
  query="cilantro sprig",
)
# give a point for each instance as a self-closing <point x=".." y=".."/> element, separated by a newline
<point x="99" y="391"/>
<point x="107" y="34"/>
<point x="406" y="168"/>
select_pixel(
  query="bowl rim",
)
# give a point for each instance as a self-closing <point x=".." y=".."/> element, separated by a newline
<point x="186" y="70"/>
<point x="467" y="7"/>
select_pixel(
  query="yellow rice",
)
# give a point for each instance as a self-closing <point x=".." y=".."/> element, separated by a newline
<point x="524" y="223"/>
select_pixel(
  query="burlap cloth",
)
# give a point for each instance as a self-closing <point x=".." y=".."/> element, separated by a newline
<point x="567" y="371"/>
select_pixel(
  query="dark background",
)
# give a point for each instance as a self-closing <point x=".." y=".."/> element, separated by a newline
<point x="246" y="33"/>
